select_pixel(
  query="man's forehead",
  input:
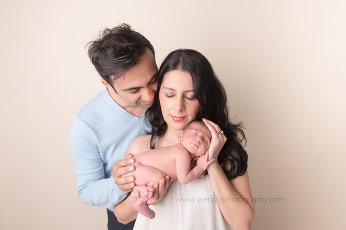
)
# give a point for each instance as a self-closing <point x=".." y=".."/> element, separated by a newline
<point x="126" y="82"/>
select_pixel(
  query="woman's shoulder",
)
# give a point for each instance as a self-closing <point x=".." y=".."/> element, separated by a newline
<point x="139" y="144"/>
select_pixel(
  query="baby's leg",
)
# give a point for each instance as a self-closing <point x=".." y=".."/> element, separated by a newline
<point x="145" y="174"/>
<point x="141" y="206"/>
<point x="145" y="178"/>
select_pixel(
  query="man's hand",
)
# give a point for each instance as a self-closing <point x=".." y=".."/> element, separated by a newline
<point x="125" y="183"/>
<point x="160" y="189"/>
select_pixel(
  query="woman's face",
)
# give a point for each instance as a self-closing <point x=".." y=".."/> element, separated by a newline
<point x="177" y="99"/>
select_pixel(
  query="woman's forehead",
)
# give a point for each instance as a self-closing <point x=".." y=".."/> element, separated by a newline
<point x="178" y="79"/>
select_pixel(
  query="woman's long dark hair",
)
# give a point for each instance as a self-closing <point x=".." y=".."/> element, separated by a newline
<point x="213" y="106"/>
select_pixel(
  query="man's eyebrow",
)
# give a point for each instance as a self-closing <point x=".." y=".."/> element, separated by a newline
<point x="139" y="87"/>
<point x="131" y="88"/>
<point x="190" y="90"/>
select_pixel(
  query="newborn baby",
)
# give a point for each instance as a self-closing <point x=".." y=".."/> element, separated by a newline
<point x="173" y="161"/>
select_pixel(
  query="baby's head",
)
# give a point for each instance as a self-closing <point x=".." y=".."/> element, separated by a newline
<point x="196" y="138"/>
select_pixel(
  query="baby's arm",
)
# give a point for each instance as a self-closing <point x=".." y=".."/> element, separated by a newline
<point x="183" y="164"/>
<point x="203" y="161"/>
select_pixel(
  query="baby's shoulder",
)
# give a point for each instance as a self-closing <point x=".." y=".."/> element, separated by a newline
<point x="178" y="149"/>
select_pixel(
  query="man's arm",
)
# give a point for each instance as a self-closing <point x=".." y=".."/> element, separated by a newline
<point x="93" y="187"/>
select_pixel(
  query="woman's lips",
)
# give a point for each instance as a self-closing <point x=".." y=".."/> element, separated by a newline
<point x="177" y="118"/>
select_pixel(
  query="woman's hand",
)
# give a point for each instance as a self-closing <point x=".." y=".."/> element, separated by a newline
<point x="218" y="139"/>
<point x="160" y="189"/>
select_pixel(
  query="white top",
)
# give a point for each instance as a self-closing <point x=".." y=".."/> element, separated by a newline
<point x="186" y="206"/>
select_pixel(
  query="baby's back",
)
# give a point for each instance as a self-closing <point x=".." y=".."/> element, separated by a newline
<point x="163" y="158"/>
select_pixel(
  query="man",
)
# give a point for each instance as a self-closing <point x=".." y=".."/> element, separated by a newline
<point x="106" y="125"/>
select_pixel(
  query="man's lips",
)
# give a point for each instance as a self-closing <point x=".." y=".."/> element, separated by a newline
<point x="146" y="103"/>
<point x="177" y="118"/>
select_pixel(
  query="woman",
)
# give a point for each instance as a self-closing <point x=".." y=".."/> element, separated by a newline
<point x="189" y="90"/>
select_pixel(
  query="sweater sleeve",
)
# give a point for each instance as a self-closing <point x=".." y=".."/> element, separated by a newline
<point x="93" y="188"/>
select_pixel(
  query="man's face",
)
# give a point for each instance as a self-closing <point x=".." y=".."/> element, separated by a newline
<point x="138" y="86"/>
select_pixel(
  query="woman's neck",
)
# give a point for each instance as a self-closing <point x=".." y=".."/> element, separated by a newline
<point x="171" y="137"/>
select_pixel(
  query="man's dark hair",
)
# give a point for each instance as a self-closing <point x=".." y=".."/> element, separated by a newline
<point x="117" y="50"/>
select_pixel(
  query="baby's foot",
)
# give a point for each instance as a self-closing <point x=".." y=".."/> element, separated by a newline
<point x="141" y="206"/>
<point x="144" y="191"/>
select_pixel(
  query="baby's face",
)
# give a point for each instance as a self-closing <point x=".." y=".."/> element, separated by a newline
<point x="196" y="138"/>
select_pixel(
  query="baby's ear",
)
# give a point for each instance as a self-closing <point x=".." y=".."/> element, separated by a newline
<point x="181" y="135"/>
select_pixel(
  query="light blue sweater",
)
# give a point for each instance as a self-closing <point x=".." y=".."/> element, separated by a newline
<point x="100" y="136"/>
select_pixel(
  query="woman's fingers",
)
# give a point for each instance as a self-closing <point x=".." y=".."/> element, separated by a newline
<point x="162" y="184"/>
<point x="217" y="141"/>
<point x="215" y="130"/>
<point x="212" y="123"/>
<point x="160" y="190"/>
<point x="155" y="196"/>
<point x="210" y="126"/>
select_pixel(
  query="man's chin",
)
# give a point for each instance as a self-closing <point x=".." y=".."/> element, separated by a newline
<point x="145" y="106"/>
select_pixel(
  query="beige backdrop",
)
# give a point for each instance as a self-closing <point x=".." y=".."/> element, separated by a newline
<point x="282" y="63"/>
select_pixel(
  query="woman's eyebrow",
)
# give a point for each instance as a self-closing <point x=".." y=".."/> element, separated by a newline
<point x="190" y="90"/>
<point x="168" y="88"/>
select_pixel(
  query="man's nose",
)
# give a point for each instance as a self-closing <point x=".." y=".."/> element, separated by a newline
<point x="148" y="93"/>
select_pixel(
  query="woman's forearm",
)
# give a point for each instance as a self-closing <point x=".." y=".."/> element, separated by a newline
<point x="237" y="210"/>
<point x="124" y="211"/>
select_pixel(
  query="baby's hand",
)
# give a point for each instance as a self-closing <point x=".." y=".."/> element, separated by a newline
<point x="203" y="162"/>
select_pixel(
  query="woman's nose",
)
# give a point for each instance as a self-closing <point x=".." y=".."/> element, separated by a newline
<point x="179" y="104"/>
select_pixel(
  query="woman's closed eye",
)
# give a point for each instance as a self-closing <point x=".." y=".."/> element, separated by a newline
<point x="190" y="97"/>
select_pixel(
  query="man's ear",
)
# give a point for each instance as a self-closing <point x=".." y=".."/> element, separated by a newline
<point x="108" y="86"/>
<point x="103" y="81"/>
